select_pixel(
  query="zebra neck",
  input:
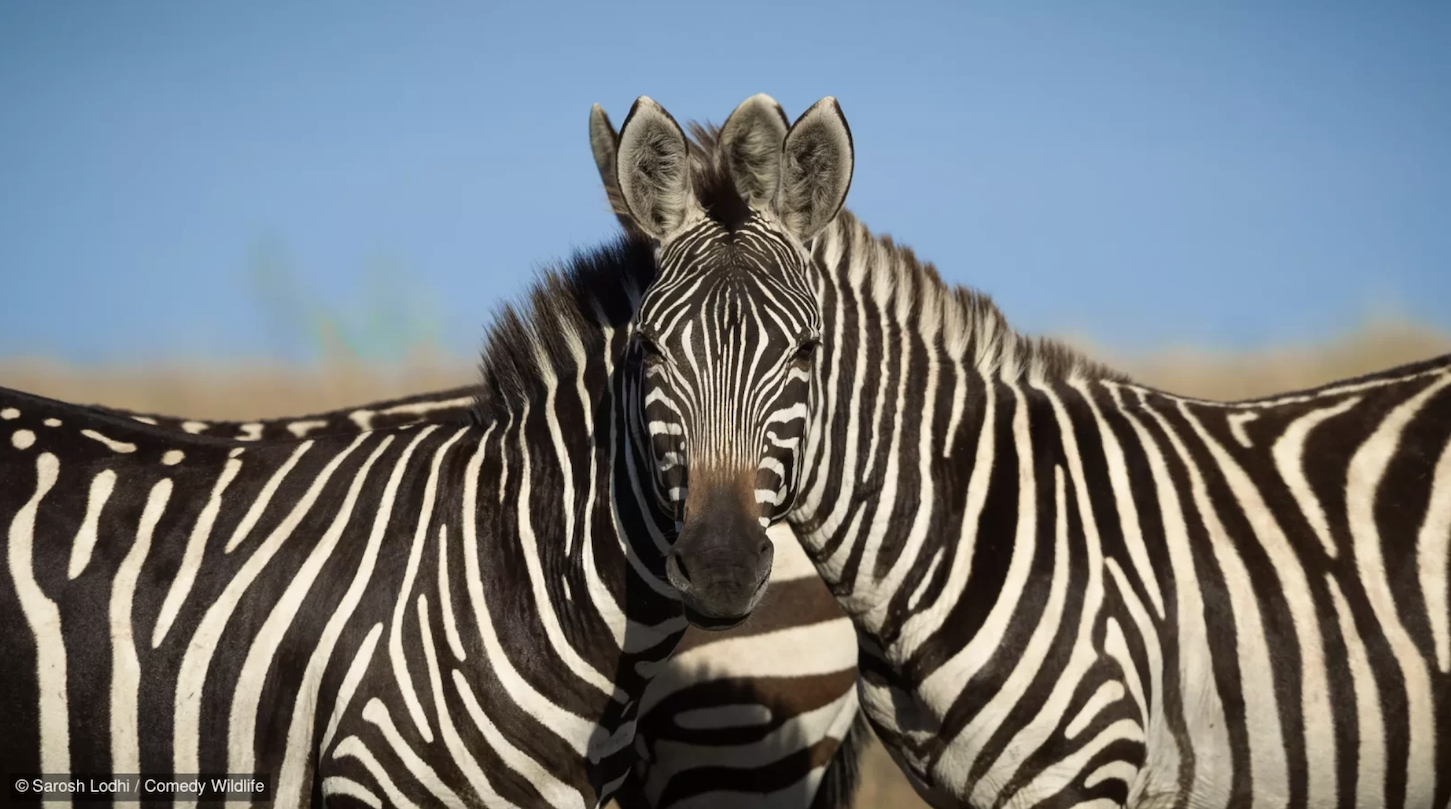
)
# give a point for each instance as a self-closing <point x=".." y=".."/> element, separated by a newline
<point x="921" y="387"/>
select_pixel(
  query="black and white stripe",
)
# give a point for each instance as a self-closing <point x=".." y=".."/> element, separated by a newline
<point x="761" y="712"/>
<point x="457" y="614"/>
<point x="1073" y="590"/>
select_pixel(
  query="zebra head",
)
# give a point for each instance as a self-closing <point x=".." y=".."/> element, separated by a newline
<point x="725" y="339"/>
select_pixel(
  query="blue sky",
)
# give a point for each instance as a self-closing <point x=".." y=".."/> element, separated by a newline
<point x="1219" y="174"/>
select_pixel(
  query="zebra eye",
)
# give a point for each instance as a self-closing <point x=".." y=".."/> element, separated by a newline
<point x="650" y="353"/>
<point x="805" y="350"/>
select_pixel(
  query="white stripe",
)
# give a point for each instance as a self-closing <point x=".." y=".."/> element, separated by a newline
<point x="1289" y="458"/>
<point x="264" y="498"/>
<point x="356" y="670"/>
<point x="798" y="651"/>
<point x="1114" y="770"/>
<point x="300" y="731"/>
<point x="573" y="729"/>
<point x="191" y="558"/>
<point x="1123" y="497"/>
<point x="1197" y="685"/>
<point x="364" y="418"/>
<point x="1363" y="480"/>
<point x="466" y="762"/>
<point x="43" y="617"/>
<point x="1117" y="647"/>
<point x="1052" y="780"/>
<point x="1162" y="760"/>
<point x="376" y="713"/>
<point x="247" y="698"/>
<point x="85" y="542"/>
<point x="302" y="428"/>
<point x="1109" y="692"/>
<point x="1236" y="426"/>
<point x="543" y="603"/>
<point x="1268" y="769"/>
<point x="941" y="687"/>
<point x="415" y="553"/>
<point x="1294" y="590"/>
<point x="1431" y="558"/>
<point x="450" y="625"/>
<point x="919" y="627"/>
<point x="962" y="751"/>
<point x="1036" y="732"/>
<point x="1370" y="761"/>
<point x="557" y="793"/>
<point x="338" y="785"/>
<point x="353" y="747"/>
<point x="125" y="667"/>
<point x="114" y="446"/>
<point x="192" y="676"/>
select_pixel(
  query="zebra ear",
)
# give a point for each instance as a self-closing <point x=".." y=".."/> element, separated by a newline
<point x="653" y="170"/>
<point x="816" y="166"/>
<point x="751" y="142"/>
<point x="604" y="143"/>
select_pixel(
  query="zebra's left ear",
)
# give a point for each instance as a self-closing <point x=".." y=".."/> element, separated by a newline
<point x="750" y="142"/>
<point x="816" y="167"/>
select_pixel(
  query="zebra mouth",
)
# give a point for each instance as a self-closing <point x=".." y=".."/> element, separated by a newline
<point x="712" y="622"/>
<point x="719" y="623"/>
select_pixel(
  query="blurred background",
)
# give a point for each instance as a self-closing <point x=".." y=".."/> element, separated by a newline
<point x="247" y="210"/>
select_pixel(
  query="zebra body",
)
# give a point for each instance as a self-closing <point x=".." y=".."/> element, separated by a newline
<point x="759" y="713"/>
<point x="586" y="561"/>
<point x="369" y="616"/>
<point x="455" y="614"/>
<point x="1072" y="590"/>
<point x="1075" y="590"/>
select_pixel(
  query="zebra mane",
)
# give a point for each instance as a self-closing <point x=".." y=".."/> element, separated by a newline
<point x="569" y="305"/>
<point x="575" y="302"/>
<point x="966" y="320"/>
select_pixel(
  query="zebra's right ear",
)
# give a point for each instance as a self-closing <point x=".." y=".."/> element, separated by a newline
<point x="653" y="170"/>
<point x="816" y="166"/>
<point x="604" y="144"/>
<point x="750" y="142"/>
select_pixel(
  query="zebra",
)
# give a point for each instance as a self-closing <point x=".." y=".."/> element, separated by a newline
<point x="224" y="598"/>
<point x="1069" y="588"/>
<point x="765" y="711"/>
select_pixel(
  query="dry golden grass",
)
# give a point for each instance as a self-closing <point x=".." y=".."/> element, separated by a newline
<point x="240" y="391"/>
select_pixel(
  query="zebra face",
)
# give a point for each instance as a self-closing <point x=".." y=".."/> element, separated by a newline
<point x="724" y="343"/>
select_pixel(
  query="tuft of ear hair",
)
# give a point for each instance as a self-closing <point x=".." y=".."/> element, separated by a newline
<point x="604" y="144"/>
<point x="816" y="168"/>
<point x="653" y="170"/>
<point x="750" y="144"/>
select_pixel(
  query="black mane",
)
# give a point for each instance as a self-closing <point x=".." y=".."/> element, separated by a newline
<point x="594" y="290"/>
